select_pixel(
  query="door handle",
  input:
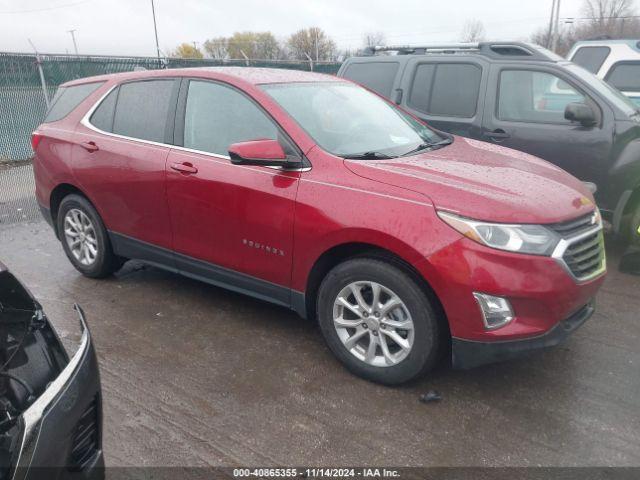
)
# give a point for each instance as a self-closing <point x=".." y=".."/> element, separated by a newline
<point x="90" y="146"/>
<point x="497" y="135"/>
<point x="185" y="167"/>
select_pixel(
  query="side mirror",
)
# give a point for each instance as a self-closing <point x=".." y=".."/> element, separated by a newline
<point x="580" y="112"/>
<point x="268" y="153"/>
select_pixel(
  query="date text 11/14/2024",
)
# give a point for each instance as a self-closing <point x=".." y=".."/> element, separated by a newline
<point x="316" y="472"/>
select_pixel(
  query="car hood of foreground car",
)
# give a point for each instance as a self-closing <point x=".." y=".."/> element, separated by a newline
<point x="486" y="182"/>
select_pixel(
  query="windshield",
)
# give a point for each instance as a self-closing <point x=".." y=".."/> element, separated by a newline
<point x="610" y="93"/>
<point x="349" y="121"/>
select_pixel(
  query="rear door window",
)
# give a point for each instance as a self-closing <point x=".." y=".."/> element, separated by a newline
<point x="217" y="116"/>
<point x="67" y="99"/>
<point x="446" y="89"/>
<point x="625" y="76"/>
<point x="143" y="109"/>
<point x="532" y="96"/>
<point x="591" y="58"/>
<point x="377" y="76"/>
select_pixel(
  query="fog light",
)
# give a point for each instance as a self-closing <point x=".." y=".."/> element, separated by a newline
<point x="496" y="311"/>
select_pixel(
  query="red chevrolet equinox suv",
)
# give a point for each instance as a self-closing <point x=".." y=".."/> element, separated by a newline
<point x="312" y="192"/>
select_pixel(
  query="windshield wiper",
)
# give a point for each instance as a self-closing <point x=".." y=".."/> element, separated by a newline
<point x="368" y="156"/>
<point x="424" y="146"/>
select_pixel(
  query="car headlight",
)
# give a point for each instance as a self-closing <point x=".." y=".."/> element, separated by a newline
<point x="532" y="239"/>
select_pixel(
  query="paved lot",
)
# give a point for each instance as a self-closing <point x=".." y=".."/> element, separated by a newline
<point x="194" y="375"/>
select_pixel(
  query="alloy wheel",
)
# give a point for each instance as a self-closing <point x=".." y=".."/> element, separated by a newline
<point x="373" y="323"/>
<point x="80" y="235"/>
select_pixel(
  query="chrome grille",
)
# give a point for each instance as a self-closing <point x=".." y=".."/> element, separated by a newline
<point x="574" y="227"/>
<point x="581" y="249"/>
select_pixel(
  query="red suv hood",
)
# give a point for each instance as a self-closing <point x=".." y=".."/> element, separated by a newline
<point x="485" y="182"/>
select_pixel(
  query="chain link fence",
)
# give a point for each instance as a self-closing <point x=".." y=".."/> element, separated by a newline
<point x="28" y="81"/>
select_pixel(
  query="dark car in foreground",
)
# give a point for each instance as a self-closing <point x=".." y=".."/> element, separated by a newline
<point x="50" y="411"/>
<point x="524" y="97"/>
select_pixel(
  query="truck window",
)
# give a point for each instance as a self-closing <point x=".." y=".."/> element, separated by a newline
<point x="377" y="76"/>
<point x="530" y="96"/>
<point x="446" y="89"/>
<point x="625" y="76"/>
<point x="591" y="58"/>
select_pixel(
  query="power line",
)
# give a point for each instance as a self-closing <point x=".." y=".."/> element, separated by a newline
<point x="624" y="17"/>
<point x="45" y="9"/>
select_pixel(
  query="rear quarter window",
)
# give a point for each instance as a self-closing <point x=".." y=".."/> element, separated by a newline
<point x="591" y="58"/>
<point x="67" y="99"/>
<point x="377" y="76"/>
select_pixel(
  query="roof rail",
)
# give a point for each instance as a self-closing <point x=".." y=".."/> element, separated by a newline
<point x="512" y="50"/>
<point x="422" y="49"/>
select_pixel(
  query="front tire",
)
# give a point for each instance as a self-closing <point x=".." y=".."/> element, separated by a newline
<point x="84" y="238"/>
<point x="378" y="321"/>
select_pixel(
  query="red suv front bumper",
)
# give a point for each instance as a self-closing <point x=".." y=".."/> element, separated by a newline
<point x="548" y="303"/>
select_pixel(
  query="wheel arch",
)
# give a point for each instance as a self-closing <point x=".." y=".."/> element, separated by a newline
<point x="349" y="250"/>
<point x="57" y="195"/>
<point x="633" y="201"/>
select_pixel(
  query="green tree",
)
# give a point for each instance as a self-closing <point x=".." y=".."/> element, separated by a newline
<point x="187" y="50"/>
<point x="259" y="45"/>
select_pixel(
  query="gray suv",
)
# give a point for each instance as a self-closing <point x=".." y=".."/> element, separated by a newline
<point x="524" y="97"/>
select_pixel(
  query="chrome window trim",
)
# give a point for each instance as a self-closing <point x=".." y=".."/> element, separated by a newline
<point x="565" y="243"/>
<point x="85" y="121"/>
<point x="32" y="417"/>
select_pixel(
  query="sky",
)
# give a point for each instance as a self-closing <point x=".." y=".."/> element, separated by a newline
<point x="125" y="27"/>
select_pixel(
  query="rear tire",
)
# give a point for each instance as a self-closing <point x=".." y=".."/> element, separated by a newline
<point x="84" y="238"/>
<point x="375" y="340"/>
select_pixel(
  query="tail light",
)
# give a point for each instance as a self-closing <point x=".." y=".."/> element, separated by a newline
<point x="35" y="141"/>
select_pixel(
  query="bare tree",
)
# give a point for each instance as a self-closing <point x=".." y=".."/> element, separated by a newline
<point x="472" y="31"/>
<point x="313" y="43"/>
<point x="374" y="39"/>
<point x="605" y="12"/>
<point x="217" y="47"/>
<point x="603" y="19"/>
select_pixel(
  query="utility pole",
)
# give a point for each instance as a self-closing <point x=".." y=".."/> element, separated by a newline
<point x="73" y="37"/>
<point x="155" y="28"/>
<point x="550" y="33"/>
<point x="556" y="32"/>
